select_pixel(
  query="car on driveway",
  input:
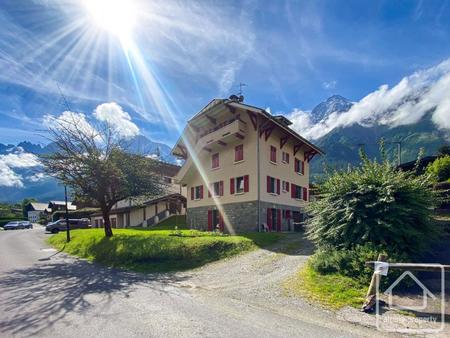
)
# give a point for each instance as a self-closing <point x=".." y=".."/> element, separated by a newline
<point x="60" y="225"/>
<point x="15" y="225"/>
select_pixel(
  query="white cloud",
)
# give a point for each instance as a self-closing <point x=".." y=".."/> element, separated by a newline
<point x="37" y="177"/>
<point x="329" y="84"/>
<point x="71" y="121"/>
<point x="19" y="159"/>
<point x="119" y="119"/>
<point x="8" y="178"/>
<point x="406" y="103"/>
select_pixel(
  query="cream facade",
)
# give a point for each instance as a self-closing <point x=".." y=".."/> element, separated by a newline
<point x="241" y="166"/>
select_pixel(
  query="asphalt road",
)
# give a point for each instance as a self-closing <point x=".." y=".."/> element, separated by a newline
<point x="48" y="294"/>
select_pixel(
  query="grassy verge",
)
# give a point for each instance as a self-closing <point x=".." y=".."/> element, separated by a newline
<point x="331" y="290"/>
<point x="153" y="250"/>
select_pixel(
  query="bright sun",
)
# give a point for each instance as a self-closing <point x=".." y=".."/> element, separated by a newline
<point x="116" y="16"/>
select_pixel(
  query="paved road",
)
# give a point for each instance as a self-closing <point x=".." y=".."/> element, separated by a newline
<point x="43" y="293"/>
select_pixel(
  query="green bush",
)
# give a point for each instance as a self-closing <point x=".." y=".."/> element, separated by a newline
<point x="440" y="168"/>
<point x="374" y="203"/>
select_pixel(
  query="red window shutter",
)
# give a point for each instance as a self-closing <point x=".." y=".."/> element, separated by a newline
<point x="303" y="167"/>
<point x="278" y="186"/>
<point x="231" y="186"/>
<point x="246" y="187"/>
<point x="287" y="186"/>
<point x="273" y="154"/>
<point x="210" y="189"/>
<point x="296" y="165"/>
<point x="269" y="218"/>
<point x="239" y="153"/>
<point x="268" y="184"/>
<point x="192" y="193"/>
<point x="242" y="152"/>
<point x="201" y="191"/>
<point x="287" y="158"/>
<point x="292" y="190"/>
<point x="210" y="220"/>
<point x="278" y="219"/>
<point x="221" y="188"/>
<point x="305" y="194"/>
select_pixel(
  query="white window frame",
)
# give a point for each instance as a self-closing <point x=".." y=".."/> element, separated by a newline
<point x="197" y="193"/>
<point x="237" y="189"/>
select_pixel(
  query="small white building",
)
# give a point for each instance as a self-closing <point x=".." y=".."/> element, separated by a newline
<point x="35" y="211"/>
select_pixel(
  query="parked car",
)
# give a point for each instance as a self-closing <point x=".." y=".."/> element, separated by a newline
<point x="15" y="225"/>
<point x="60" y="225"/>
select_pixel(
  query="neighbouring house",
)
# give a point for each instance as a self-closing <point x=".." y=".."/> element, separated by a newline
<point x="148" y="211"/>
<point x="421" y="166"/>
<point x="245" y="169"/>
<point x="60" y="206"/>
<point x="35" y="211"/>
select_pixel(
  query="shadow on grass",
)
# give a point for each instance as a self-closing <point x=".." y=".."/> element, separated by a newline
<point x="34" y="298"/>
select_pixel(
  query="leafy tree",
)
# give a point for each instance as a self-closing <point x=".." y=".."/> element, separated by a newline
<point x="440" y="168"/>
<point x="91" y="160"/>
<point x="374" y="204"/>
<point x="444" y="150"/>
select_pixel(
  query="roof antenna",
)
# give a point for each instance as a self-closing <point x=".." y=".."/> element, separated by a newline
<point x="239" y="97"/>
<point x="66" y="103"/>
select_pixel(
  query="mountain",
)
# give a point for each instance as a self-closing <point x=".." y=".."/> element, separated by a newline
<point x="335" y="103"/>
<point x="21" y="175"/>
<point x="342" y="144"/>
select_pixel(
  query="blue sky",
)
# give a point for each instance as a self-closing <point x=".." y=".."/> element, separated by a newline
<point x="291" y="54"/>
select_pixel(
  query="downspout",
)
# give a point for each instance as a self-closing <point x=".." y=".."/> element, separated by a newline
<point x="258" y="175"/>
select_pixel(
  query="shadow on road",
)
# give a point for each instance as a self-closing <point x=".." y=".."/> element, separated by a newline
<point x="33" y="298"/>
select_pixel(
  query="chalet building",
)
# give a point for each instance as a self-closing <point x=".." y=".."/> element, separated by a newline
<point x="145" y="211"/>
<point x="244" y="170"/>
<point x="35" y="211"/>
<point x="60" y="206"/>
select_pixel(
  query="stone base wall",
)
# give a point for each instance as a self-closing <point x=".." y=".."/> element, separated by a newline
<point x="241" y="216"/>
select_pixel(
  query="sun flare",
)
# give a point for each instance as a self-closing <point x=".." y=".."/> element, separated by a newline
<point x="115" y="16"/>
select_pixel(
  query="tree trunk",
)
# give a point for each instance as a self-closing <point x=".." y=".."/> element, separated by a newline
<point x="107" y="223"/>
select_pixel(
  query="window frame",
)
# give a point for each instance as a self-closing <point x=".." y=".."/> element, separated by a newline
<point x="197" y="193"/>
<point x="239" y="149"/>
<point x="273" y="151"/>
<point x="213" y="158"/>
<point x="236" y="186"/>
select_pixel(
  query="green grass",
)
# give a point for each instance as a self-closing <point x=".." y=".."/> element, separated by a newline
<point x="331" y="290"/>
<point x="154" y="250"/>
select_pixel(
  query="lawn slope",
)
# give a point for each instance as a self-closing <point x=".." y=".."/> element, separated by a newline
<point x="158" y="250"/>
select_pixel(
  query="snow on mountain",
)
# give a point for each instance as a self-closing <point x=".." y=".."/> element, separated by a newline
<point x="335" y="103"/>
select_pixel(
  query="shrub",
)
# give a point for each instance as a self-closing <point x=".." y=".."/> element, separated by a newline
<point x="351" y="262"/>
<point x="374" y="203"/>
<point x="440" y="168"/>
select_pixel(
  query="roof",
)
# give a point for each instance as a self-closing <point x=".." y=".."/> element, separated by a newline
<point x="423" y="162"/>
<point x="38" y="206"/>
<point x="167" y="169"/>
<point x="70" y="206"/>
<point x="279" y="120"/>
<point x="147" y="202"/>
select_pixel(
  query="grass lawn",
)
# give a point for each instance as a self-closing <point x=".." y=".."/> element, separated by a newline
<point x="158" y="249"/>
<point x="331" y="290"/>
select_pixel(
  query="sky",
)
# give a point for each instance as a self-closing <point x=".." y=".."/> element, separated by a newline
<point x="148" y="66"/>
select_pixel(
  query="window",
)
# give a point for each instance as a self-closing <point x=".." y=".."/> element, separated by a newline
<point x="273" y="154"/>
<point x="167" y="180"/>
<point x="239" y="185"/>
<point x="215" y="161"/>
<point x="285" y="186"/>
<point x="239" y="153"/>
<point x="285" y="157"/>
<point x="216" y="189"/>
<point x="273" y="185"/>
<point x="296" y="191"/>
<point x="197" y="192"/>
<point x="299" y="166"/>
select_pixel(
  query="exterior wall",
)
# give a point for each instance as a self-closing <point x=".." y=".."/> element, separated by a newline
<point x="241" y="217"/>
<point x="227" y="169"/>
<point x="280" y="170"/>
<point x="34" y="216"/>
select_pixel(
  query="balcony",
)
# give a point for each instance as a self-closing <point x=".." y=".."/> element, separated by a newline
<point x="222" y="134"/>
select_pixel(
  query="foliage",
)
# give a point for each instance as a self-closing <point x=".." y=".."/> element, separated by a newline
<point x="92" y="161"/>
<point x="10" y="210"/>
<point x="440" y="168"/>
<point x="332" y="290"/>
<point x="156" y="250"/>
<point x="374" y="203"/>
<point x="444" y="150"/>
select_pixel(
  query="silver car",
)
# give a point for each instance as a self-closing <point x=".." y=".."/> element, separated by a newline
<point x="60" y="225"/>
<point x="15" y="225"/>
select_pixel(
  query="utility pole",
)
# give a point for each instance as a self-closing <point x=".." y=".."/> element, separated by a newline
<point x="67" y="216"/>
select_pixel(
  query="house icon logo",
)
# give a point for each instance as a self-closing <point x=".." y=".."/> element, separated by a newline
<point x="425" y="293"/>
